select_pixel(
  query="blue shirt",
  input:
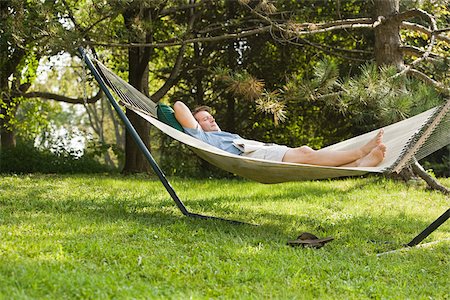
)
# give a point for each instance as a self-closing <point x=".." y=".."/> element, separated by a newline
<point x="219" y="139"/>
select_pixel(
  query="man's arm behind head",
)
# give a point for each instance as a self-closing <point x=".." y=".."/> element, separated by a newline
<point x="184" y="116"/>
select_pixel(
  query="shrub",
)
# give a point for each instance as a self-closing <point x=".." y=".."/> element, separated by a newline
<point x="438" y="162"/>
<point x="25" y="158"/>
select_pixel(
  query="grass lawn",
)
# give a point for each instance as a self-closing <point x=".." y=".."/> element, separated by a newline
<point x="101" y="237"/>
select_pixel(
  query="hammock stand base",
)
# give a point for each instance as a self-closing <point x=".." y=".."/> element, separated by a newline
<point x="131" y="130"/>
<point x="415" y="241"/>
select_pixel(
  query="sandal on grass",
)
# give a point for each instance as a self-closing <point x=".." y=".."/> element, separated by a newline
<point x="307" y="239"/>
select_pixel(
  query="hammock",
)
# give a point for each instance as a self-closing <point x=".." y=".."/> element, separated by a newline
<point x="406" y="141"/>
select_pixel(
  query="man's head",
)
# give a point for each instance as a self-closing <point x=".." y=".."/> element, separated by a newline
<point x="203" y="116"/>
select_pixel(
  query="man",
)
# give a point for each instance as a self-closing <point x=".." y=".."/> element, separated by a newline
<point x="202" y="125"/>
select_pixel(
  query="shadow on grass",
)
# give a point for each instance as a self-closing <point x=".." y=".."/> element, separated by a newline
<point x="159" y="210"/>
<point x="378" y="230"/>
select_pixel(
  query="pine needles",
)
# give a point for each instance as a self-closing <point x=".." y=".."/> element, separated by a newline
<point x="245" y="86"/>
<point x="375" y="96"/>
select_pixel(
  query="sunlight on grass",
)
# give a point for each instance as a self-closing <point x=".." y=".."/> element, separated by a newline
<point x="122" y="237"/>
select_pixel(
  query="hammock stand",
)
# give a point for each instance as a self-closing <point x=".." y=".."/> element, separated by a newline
<point x="400" y="162"/>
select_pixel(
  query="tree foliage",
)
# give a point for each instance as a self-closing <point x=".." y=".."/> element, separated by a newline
<point x="292" y="72"/>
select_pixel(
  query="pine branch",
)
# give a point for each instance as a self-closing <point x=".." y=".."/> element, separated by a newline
<point x="428" y="49"/>
<point x="296" y="30"/>
<point x="345" y="22"/>
<point x="443" y="30"/>
<point x="179" y="42"/>
<point x="288" y="29"/>
<point x="415" y="51"/>
<point x="338" y="24"/>
<point x="428" y="32"/>
<point x="423" y="77"/>
<point x="329" y="27"/>
<point x="412" y="13"/>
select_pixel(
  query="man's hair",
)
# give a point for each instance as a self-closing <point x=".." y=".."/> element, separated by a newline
<point x="201" y="108"/>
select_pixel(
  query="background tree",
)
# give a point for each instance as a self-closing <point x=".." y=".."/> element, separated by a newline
<point x="21" y="49"/>
<point x="249" y="59"/>
<point x="28" y="31"/>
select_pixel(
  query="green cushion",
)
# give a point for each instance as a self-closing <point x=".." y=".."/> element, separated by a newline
<point x="167" y="116"/>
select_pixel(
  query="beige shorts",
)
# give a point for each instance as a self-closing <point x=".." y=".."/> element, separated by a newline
<point x="272" y="152"/>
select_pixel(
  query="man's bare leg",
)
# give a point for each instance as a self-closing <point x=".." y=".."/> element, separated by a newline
<point x="373" y="159"/>
<point x="307" y="155"/>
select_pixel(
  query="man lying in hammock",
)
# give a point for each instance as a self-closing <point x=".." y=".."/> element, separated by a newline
<point x="201" y="124"/>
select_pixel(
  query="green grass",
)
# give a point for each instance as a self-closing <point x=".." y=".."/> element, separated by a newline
<point x="101" y="237"/>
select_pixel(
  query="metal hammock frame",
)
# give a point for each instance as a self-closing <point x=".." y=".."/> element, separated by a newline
<point x="406" y="157"/>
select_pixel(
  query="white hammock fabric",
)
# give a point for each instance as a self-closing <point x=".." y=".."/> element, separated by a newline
<point x="275" y="172"/>
<point x="405" y="141"/>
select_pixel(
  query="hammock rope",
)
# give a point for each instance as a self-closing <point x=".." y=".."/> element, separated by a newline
<point x="434" y="135"/>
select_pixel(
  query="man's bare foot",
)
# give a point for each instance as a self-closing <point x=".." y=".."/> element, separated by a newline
<point x="374" y="158"/>
<point x="373" y="143"/>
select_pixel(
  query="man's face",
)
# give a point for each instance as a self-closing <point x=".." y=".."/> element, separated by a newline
<point x="206" y="121"/>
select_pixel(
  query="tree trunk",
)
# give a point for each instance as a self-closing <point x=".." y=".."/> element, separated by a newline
<point x="388" y="52"/>
<point x="387" y="47"/>
<point x="138" y="58"/>
<point x="7" y="136"/>
<point x="135" y="161"/>
<point x="387" y="35"/>
<point x="8" y="139"/>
